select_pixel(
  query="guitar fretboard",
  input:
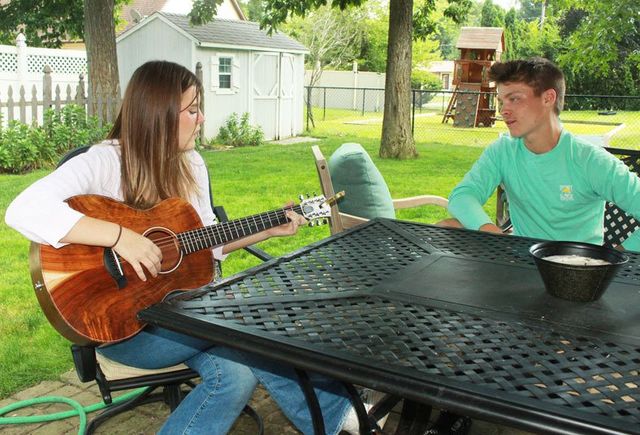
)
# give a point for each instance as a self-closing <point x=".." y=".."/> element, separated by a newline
<point x="219" y="234"/>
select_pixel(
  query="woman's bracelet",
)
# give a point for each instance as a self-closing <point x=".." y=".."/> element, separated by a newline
<point x="117" y="238"/>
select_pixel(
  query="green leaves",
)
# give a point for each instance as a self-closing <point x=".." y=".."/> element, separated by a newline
<point x="24" y="148"/>
<point x="203" y="11"/>
<point x="239" y="132"/>
<point x="45" y="23"/>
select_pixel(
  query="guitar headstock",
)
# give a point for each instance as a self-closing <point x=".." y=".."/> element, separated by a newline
<point x="316" y="208"/>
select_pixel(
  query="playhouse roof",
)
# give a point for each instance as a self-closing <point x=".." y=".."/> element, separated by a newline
<point x="233" y="33"/>
<point x="491" y="38"/>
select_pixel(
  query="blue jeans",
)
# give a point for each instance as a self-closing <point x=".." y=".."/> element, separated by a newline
<point x="228" y="379"/>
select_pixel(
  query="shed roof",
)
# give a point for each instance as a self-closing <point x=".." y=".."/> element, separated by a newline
<point x="491" y="38"/>
<point x="240" y="34"/>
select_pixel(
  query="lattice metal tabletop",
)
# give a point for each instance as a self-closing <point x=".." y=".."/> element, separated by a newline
<point x="454" y="318"/>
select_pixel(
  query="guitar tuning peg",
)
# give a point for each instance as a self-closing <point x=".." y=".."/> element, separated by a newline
<point x="315" y="194"/>
<point x="312" y="223"/>
<point x="301" y="197"/>
<point x="325" y="221"/>
<point x="307" y="195"/>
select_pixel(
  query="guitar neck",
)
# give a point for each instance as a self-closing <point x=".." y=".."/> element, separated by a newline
<point x="225" y="232"/>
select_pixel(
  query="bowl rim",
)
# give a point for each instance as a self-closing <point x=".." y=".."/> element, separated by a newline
<point x="623" y="259"/>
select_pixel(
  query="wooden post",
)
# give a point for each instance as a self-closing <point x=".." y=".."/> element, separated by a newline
<point x="57" y="104"/>
<point x="80" y="98"/>
<point x="10" y="104"/>
<point x="46" y="88"/>
<point x="68" y="99"/>
<point x="22" y="106"/>
<point x="21" y="51"/>
<point x="34" y="106"/>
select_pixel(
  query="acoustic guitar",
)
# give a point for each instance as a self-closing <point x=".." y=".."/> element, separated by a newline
<point x="91" y="295"/>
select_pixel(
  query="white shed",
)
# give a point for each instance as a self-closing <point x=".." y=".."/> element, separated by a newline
<point x="244" y="69"/>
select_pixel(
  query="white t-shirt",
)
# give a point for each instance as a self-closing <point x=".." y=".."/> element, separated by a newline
<point x="41" y="214"/>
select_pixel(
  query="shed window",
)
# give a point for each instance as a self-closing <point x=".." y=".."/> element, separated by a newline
<point x="224" y="72"/>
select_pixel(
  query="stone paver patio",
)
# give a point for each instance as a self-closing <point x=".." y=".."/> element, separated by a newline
<point x="147" y="419"/>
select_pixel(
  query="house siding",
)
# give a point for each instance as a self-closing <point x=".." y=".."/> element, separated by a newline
<point x="279" y="112"/>
<point x="144" y="45"/>
<point x="219" y="106"/>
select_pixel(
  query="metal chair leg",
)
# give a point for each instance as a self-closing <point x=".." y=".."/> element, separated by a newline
<point x="312" y="402"/>
<point x="414" y="418"/>
<point x="110" y="411"/>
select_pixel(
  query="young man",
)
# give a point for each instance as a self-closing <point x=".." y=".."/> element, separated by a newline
<point x="556" y="183"/>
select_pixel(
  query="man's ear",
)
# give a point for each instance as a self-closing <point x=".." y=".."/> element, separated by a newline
<point x="549" y="97"/>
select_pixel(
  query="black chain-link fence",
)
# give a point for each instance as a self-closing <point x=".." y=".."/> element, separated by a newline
<point x="466" y="118"/>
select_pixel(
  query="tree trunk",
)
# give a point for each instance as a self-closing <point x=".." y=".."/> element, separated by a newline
<point x="397" y="139"/>
<point x="102" y="58"/>
<point x="543" y="14"/>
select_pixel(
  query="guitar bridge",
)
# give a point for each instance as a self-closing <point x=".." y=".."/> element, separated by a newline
<point x="113" y="266"/>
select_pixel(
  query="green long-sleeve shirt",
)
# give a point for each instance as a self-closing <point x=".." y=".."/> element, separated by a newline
<point x="558" y="195"/>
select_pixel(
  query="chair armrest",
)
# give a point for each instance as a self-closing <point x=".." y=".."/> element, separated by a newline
<point x="416" y="201"/>
<point x="349" y="220"/>
<point x="257" y="252"/>
<point x="251" y="249"/>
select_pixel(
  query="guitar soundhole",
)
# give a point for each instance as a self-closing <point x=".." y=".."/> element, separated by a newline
<point x="168" y="244"/>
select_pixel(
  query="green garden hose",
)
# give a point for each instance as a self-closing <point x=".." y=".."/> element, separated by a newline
<point x="78" y="409"/>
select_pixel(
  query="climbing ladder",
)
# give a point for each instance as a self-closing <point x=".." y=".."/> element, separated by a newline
<point x="464" y="105"/>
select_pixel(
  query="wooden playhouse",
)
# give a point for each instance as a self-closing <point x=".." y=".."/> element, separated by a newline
<point x="472" y="101"/>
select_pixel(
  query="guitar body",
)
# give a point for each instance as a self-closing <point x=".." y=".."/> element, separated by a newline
<point x="79" y="294"/>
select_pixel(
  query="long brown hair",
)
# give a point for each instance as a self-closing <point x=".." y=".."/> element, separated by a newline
<point x="153" y="166"/>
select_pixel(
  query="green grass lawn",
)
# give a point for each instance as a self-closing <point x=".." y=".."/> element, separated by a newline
<point x="245" y="181"/>
<point x="253" y="180"/>
<point x="429" y="127"/>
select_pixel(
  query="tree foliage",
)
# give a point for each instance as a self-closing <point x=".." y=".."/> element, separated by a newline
<point x="45" y="23"/>
<point x="334" y="38"/>
<point x="253" y="9"/>
<point x="606" y="40"/>
<point x="526" y="39"/>
<point x="492" y="15"/>
<point x="405" y="23"/>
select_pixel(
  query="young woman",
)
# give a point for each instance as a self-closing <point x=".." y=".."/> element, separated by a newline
<point x="148" y="157"/>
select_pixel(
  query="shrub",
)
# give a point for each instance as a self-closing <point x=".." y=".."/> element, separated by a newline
<point x="238" y="132"/>
<point x="24" y="148"/>
<point x="71" y="127"/>
<point x="424" y="81"/>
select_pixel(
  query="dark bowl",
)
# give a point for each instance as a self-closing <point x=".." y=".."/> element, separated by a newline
<point x="576" y="283"/>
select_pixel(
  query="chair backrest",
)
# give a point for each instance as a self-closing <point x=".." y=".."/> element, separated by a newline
<point x="367" y="193"/>
<point x="72" y="153"/>
<point x="326" y="185"/>
<point x="350" y="169"/>
<point x="618" y="225"/>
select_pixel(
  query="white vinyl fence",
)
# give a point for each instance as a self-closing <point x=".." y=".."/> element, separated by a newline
<point x="35" y="79"/>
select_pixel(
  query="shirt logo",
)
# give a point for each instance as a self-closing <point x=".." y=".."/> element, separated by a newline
<point x="566" y="192"/>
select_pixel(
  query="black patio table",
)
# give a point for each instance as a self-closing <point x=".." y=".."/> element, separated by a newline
<point x="454" y="318"/>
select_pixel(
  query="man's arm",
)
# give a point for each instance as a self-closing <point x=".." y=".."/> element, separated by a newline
<point x="468" y="197"/>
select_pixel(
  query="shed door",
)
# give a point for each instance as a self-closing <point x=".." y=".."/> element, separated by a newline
<point x="273" y="94"/>
<point x="287" y="85"/>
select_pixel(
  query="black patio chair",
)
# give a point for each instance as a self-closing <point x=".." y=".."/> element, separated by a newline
<point x="169" y="385"/>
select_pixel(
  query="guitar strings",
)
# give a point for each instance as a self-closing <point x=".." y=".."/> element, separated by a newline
<point x="218" y="229"/>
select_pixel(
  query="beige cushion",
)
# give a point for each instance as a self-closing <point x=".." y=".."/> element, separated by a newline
<point x="114" y="370"/>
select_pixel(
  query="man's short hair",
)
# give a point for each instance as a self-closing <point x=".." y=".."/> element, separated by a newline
<point x="539" y="73"/>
